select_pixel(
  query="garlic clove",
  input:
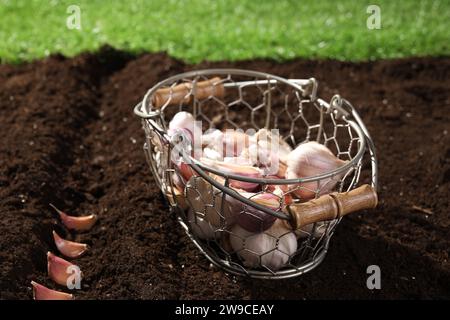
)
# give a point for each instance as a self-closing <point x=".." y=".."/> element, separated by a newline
<point x="76" y="223"/>
<point x="68" y="248"/>
<point x="311" y="159"/>
<point x="59" y="270"/>
<point x="271" y="249"/>
<point x="230" y="168"/>
<point x="41" y="292"/>
<point x="185" y="170"/>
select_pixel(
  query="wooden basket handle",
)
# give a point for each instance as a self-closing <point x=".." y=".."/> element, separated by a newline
<point x="183" y="93"/>
<point x="332" y="206"/>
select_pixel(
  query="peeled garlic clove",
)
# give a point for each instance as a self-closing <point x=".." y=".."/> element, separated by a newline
<point x="68" y="248"/>
<point x="76" y="223"/>
<point x="252" y="219"/>
<point x="43" y="293"/>
<point x="270" y="249"/>
<point x="311" y="159"/>
<point x="59" y="270"/>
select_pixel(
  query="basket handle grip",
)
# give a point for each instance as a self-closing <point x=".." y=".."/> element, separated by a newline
<point x="184" y="92"/>
<point x="332" y="206"/>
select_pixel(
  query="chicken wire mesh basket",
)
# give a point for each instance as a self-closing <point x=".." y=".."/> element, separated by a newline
<point x="265" y="225"/>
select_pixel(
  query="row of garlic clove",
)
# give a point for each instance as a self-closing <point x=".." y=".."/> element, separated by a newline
<point x="57" y="268"/>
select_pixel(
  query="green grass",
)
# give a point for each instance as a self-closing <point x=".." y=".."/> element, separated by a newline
<point x="232" y="29"/>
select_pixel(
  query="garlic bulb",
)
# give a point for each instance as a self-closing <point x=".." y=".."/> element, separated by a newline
<point x="250" y="218"/>
<point x="185" y="120"/>
<point x="311" y="159"/>
<point x="206" y="203"/>
<point x="200" y="226"/>
<point x="271" y="248"/>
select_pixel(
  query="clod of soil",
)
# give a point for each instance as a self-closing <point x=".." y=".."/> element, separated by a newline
<point x="69" y="137"/>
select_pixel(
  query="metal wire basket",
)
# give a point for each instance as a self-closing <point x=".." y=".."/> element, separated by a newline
<point x="249" y="100"/>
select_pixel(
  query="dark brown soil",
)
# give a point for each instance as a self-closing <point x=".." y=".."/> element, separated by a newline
<point x="69" y="137"/>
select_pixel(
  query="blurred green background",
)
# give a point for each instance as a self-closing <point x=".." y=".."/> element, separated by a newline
<point x="227" y="30"/>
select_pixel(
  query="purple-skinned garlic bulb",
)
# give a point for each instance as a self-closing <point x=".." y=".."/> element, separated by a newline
<point x="184" y="120"/>
<point x="250" y="218"/>
<point x="311" y="159"/>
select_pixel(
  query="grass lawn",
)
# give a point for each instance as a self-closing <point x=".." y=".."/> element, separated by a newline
<point x="231" y="29"/>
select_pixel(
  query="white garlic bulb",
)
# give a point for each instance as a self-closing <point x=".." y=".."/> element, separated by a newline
<point x="206" y="203"/>
<point x="200" y="226"/>
<point x="271" y="248"/>
<point x="311" y="159"/>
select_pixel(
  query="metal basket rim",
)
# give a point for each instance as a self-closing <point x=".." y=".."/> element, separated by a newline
<point x="204" y="72"/>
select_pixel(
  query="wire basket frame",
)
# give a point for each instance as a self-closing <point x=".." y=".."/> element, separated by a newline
<point x="253" y="101"/>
